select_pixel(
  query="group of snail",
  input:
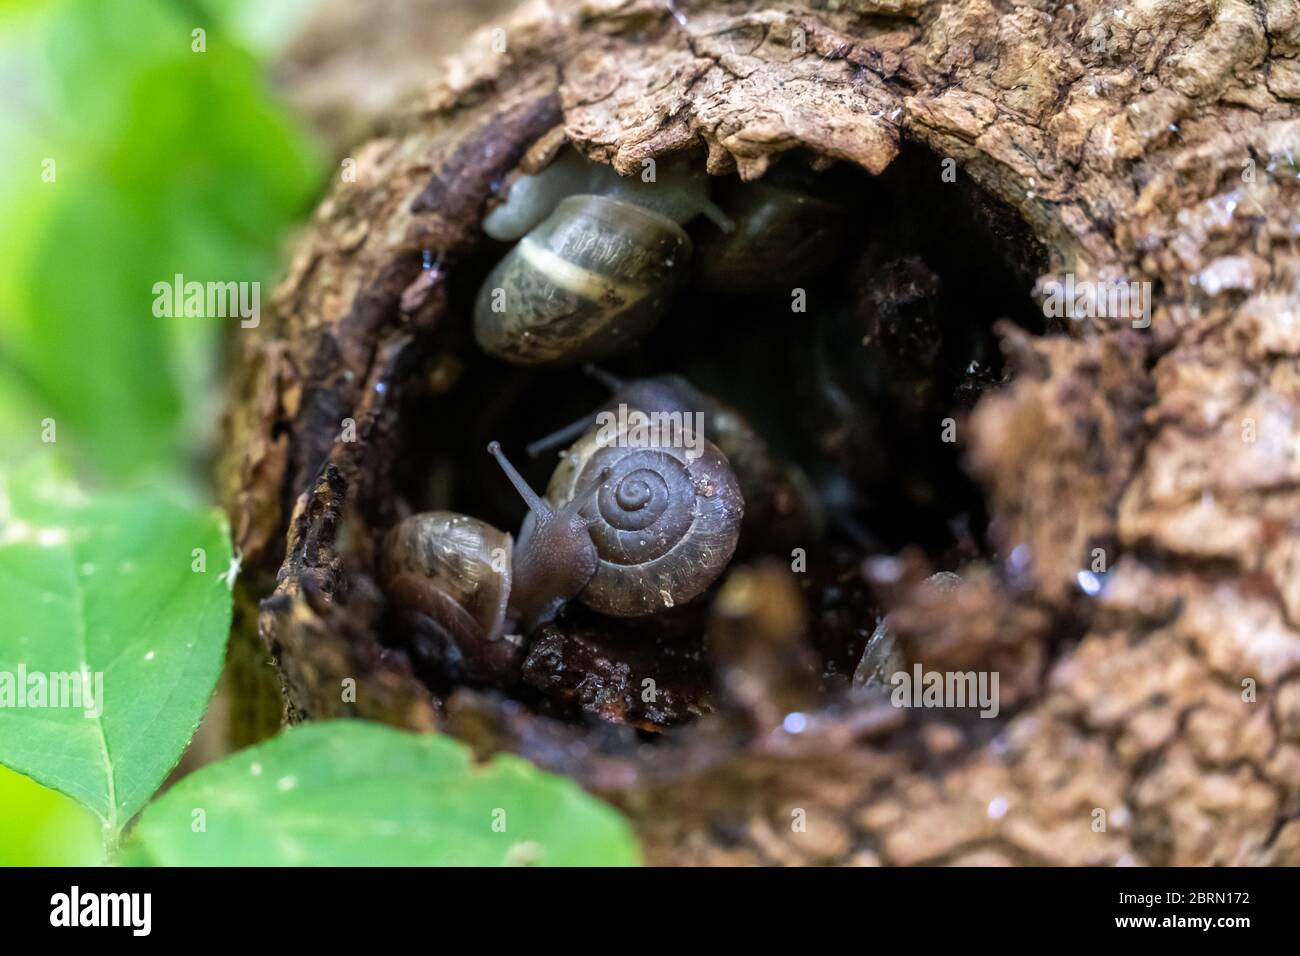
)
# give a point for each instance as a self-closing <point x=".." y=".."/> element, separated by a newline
<point x="627" y="526"/>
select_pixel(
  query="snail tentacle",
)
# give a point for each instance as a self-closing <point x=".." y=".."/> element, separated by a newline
<point x="554" y="557"/>
<point x="565" y="435"/>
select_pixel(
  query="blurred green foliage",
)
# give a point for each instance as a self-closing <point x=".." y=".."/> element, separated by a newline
<point x="127" y="157"/>
<point x="39" y="827"/>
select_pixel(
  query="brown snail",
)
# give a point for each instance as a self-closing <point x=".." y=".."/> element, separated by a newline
<point x="452" y="574"/>
<point x="590" y="280"/>
<point x="602" y="255"/>
<point x="626" y="529"/>
<point x="781" y="236"/>
<point x="598" y="260"/>
<point x="665" y="520"/>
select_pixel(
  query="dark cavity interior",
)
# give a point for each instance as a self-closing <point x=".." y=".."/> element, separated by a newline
<point x="897" y="337"/>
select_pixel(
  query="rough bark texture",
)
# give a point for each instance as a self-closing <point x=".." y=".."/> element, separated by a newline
<point x="1150" y="142"/>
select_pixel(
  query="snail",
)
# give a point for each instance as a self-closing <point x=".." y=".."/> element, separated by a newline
<point x="779" y="504"/>
<point x="666" y="519"/>
<point x="627" y="528"/>
<point x="600" y="258"/>
<point x="450" y="574"/>
<point x="781" y="235"/>
<point x="586" y="283"/>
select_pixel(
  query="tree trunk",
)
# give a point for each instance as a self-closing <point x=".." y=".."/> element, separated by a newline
<point x="1142" y="482"/>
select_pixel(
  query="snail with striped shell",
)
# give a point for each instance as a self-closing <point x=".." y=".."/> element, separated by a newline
<point x="600" y="258"/>
<point x="628" y="528"/>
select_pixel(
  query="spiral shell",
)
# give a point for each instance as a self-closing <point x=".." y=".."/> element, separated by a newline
<point x="665" y="523"/>
<point x="586" y="283"/>
<point x="739" y="443"/>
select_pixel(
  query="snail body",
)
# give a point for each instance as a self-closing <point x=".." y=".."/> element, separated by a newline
<point x="587" y="282"/>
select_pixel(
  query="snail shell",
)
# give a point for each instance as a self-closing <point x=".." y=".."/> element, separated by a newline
<point x="744" y="450"/>
<point x="589" y="281"/>
<point x="455" y="573"/>
<point x="780" y="507"/>
<point x="458" y="556"/>
<point x="665" y="523"/>
<point x="781" y="236"/>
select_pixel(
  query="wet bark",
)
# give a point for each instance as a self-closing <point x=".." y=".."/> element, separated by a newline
<point x="1155" y="721"/>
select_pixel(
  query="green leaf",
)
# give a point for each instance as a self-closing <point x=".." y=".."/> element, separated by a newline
<point x="100" y="599"/>
<point x="343" y="793"/>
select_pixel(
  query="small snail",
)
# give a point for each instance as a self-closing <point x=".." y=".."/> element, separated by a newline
<point x="586" y="283"/>
<point x="451" y="574"/>
<point x="782" y="235"/>
<point x="600" y="258"/>
<point x="627" y="529"/>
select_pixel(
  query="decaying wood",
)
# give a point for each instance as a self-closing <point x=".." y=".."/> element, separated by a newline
<point x="1145" y="143"/>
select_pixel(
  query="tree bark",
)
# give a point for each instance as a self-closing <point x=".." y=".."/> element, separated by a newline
<point x="1157" y="722"/>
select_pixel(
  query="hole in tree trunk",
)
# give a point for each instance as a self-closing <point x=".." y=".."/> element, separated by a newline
<point x="857" y="395"/>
